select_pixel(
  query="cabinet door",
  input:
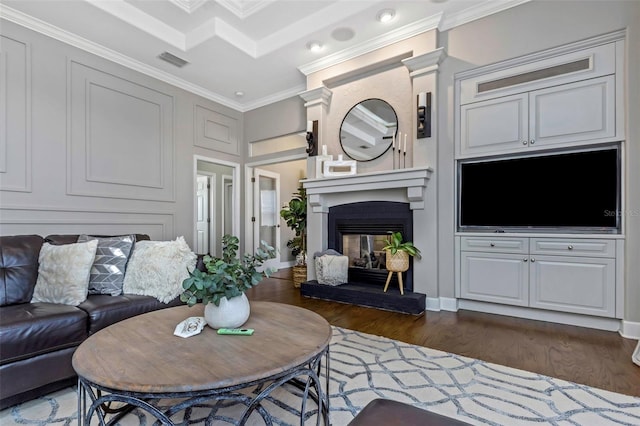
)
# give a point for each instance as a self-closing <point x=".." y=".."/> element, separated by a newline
<point x="494" y="126"/>
<point x="576" y="112"/>
<point x="498" y="278"/>
<point x="581" y="285"/>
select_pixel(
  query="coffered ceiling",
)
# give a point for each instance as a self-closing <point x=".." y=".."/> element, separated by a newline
<point x="241" y="53"/>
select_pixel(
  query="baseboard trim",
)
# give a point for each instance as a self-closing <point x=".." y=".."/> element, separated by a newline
<point x="630" y="330"/>
<point x="442" y="304"/>
<point x="607" y="324"/>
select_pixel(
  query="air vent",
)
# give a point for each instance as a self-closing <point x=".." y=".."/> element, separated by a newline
<point x="172" y="59"/>
<point x="580" y="65"/>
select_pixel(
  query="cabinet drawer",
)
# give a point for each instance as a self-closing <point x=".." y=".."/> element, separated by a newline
<point x="573" y="247"/>
<point x="498" y="245"/>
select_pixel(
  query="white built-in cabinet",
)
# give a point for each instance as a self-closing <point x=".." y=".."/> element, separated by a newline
<point x="567" y="97"/>
<point x="558" y="274"/>
<point x="534" y="106"/>
<point x="541" y="118"/>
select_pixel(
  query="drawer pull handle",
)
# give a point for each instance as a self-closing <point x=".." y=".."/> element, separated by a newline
<point x="570" y="247"/>
<point x="533" y="259"/>
<point x="525" y="142"/>
<point x="524" y="259"/>
<point x="492" y="244"/>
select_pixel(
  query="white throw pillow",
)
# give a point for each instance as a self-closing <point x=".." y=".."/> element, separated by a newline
<point x="157" y="268"/>
<point x="63" y="273"/>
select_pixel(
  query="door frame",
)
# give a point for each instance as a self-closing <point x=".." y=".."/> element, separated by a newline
<point x="235" y="221"/>
<point x="211" y="215"/>
<point x="248" y="193"/>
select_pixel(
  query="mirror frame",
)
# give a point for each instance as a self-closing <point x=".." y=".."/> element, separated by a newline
<point x="395" y="114"/>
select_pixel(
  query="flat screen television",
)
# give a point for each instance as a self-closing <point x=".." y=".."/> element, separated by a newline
<point x="576" y="191"/>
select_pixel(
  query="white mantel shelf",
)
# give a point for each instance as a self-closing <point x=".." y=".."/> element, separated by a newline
<point x="413" y="180"/>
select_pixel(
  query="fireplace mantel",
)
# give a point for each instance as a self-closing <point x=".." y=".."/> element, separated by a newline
<point x="413" y="180"/>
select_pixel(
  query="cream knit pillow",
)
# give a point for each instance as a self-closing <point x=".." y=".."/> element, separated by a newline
<point x="157" y="268"/>
<point x="63" y="273"/>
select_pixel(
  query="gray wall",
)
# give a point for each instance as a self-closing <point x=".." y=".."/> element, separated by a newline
<point x="95" y="147"/>
<point x="528" y="28"/>
<point x="277" y="119"/>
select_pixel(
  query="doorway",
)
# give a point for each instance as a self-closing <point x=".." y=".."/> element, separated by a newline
<point x="289" y="172"/>
<point x="216" y="203"/>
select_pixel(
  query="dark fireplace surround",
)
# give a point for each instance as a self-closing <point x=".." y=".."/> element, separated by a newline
<point x="373" y="218"/>
<point x="365" y="287"/>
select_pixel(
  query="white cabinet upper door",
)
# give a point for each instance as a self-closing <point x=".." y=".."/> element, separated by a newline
<point x="575" y="112"/>
<point x="580" y="285"/>
<point x="495" y="277"/>
<point x="495" y="125"/>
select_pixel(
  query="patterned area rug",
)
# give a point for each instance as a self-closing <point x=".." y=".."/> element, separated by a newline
<point x="365" y="367"/>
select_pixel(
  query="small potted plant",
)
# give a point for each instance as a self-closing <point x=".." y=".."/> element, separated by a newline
<point x="222" y="286"/>
<point x="397" y="256"/>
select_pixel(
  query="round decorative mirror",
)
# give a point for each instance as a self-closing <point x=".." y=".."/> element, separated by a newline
<point x="367" y="130"/>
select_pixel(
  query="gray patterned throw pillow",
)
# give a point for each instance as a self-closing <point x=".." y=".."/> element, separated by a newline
<point x="107" y="272"/>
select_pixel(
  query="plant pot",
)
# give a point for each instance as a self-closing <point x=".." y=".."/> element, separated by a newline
<point x="299" y="275"/>
<point x="232" y="313"/>
<point x="398" y="262"/>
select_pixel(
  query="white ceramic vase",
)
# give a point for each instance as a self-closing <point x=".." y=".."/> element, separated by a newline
<point x="231" y="313"/>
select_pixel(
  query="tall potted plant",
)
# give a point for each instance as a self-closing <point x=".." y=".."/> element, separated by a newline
<point x="295" y="215"/>
<point x="222" y="285"/>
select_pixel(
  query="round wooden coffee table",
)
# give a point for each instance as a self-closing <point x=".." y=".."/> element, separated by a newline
<point x="139" y="361"/>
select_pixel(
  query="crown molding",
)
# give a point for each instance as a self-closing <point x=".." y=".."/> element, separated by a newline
<point x="243" y="9"/>
<point x="477" y="12"/>
<point x="319" y="95"/>
<point x="276" y="97"/>
<point x="384" y="40"/>
<point x="189" y="6"/>
<point x="138" y="19"/>
<point x="423" y="64"/>
<point x="71" y="39"/>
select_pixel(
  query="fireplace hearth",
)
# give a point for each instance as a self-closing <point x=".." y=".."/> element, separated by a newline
<point x="359" y="230"/>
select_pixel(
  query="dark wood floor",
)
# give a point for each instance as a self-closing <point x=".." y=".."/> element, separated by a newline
<point x="593" y="357"/>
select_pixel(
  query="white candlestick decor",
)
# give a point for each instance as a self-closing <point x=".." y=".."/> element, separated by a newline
<point x="309" y="126"/>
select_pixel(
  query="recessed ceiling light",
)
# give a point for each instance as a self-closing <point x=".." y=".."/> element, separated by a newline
<point x="239" y="93"/>
<point x="386" y="15"/>
<point x="314" y="46"/>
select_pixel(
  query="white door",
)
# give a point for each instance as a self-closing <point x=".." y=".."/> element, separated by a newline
<point x="202" y="215"/>
<point x="266" y="211"/>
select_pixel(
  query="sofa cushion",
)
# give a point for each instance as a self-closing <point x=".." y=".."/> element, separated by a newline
<point x="105" y="310"/>
<point x="18" y="268"/>
<point x="63" y="274"/>
<point x="110" y="263"/>
<point x="31" y="329"/>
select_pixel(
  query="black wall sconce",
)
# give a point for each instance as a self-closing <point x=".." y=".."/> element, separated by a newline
<point x="312" y="138"/>
<point x="424" y="115"/>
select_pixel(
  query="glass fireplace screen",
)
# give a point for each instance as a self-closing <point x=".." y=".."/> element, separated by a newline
<point x="364" y="250"/>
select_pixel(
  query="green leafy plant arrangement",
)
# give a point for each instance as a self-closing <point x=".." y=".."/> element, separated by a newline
<point x="395" y="244"/>
<point x="295" y="215"/>
<point x="229" y="276"/>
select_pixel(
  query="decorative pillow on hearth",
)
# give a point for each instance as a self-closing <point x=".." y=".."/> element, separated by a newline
<point x="107" y="271"/>
<point x="157" y="268"/>
<point x="332" y="270"/>
<point x="63" y="273"/>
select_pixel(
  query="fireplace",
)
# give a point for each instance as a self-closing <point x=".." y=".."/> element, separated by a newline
<point x="359" y="231"/>
<point x="345" y="213"/>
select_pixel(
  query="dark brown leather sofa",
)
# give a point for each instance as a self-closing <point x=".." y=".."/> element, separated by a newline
<point x="37" y="340"/>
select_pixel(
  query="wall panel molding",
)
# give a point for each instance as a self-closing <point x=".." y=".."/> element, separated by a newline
<point x="107" y="117"/>
<point x="216" y="131"/>
<point x="15" y="121"/>
<point x="43" y="221"/>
